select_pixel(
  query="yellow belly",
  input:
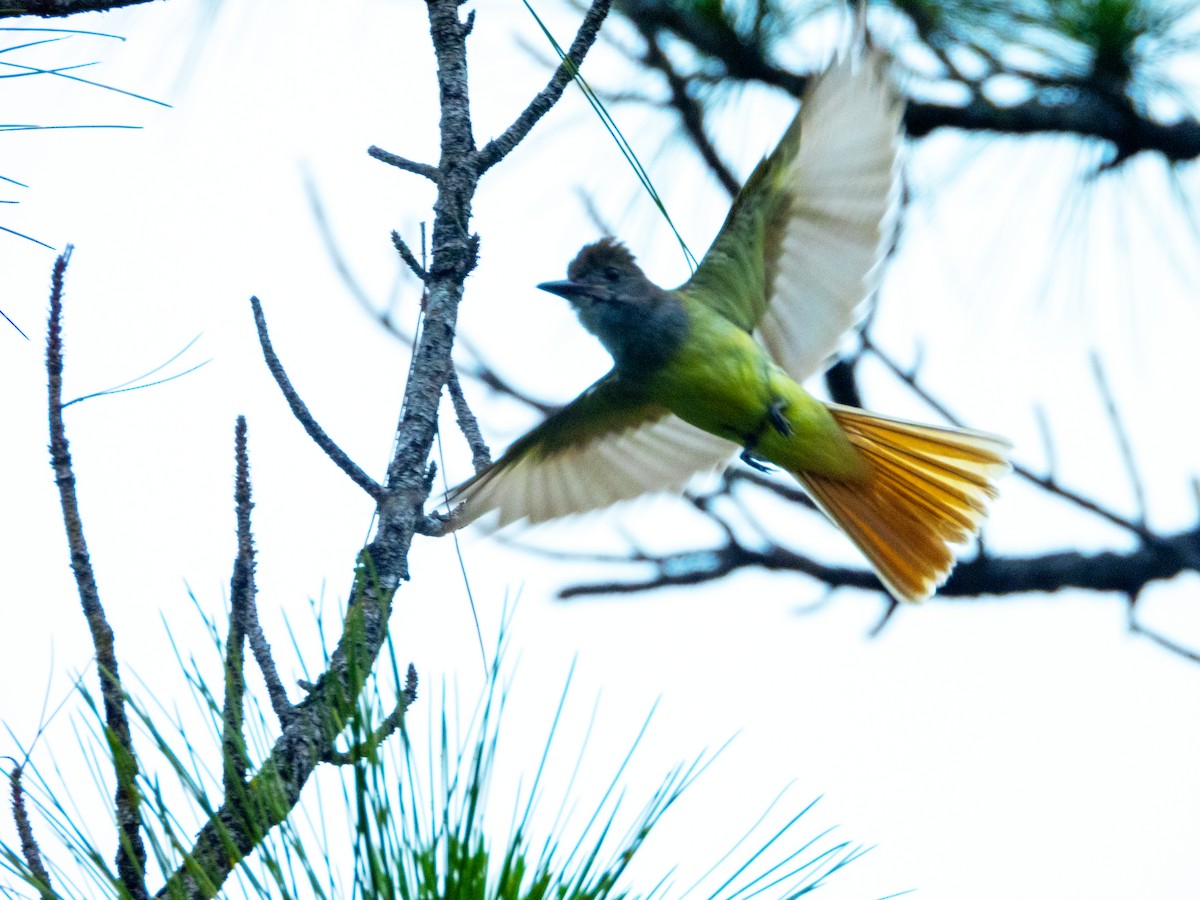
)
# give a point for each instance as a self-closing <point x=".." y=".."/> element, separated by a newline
<point x="723" y="381"/>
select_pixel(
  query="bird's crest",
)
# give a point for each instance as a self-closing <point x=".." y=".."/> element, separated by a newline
<point x="607" y="251"/>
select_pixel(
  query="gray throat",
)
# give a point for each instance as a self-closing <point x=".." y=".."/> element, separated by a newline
<point x="640" y="336"/>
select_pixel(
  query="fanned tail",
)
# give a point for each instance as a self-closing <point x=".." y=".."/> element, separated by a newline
<point x="926" y="488"/>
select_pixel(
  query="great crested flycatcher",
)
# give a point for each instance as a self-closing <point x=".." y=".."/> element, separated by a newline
<point x="715" y="364"/>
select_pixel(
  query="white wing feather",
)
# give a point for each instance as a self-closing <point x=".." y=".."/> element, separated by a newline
<point x="658" y="456"/>
<point x="845" y="187"/>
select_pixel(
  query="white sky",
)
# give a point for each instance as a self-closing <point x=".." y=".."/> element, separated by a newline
<point x="1024" y="747"/>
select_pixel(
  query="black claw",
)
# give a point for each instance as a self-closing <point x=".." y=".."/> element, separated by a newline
<point x="777" y="419"/>
<point x="752" y="461"/>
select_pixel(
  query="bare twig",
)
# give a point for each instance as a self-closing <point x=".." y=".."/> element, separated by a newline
<point x="790" y="492"/>
<point x="131" y="853"/>
<point x="340" y="263"/>
<point x="890" y="607"/>
<point x="599" y="222"/>
<point x="498" y="148"/>
<point x="423" y="169"/>
<point x="244" y="591"/>
<point x="481" y="456"/>
<point x="407" y="255"/>
<point x="1163" y="641"/>
<point x="1047" y="441"/>
<point x="366" y="749"/>
<point x="492" y="379"/>
<point x="691" y="113"/>
<point x="1046" y="482"/>
<point x="701" y="566"/>
<point x="29" y="846"/>
<point x="300" y="411"/>
<point x="1122" y="436"/>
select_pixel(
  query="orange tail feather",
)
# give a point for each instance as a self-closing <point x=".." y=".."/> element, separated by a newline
<point x="926" y="488"/>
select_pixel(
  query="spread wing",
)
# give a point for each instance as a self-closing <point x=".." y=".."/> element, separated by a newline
<point x="606" y="445"/>
<point x="801" y="246"/>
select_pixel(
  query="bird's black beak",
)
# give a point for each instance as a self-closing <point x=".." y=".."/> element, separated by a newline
<point x="568" y="289"/>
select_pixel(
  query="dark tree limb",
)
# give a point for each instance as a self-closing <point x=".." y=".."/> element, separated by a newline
<point x="1073" y="106"/>
<point x="1089" y="115"/>
<point x="841" y="382"/>
<point x="972" y="579"/>
<point x="131" y="853"/>
<point x="713" y="38"/>
<point x="303" y="416"/>
<point x="57" y="9"/>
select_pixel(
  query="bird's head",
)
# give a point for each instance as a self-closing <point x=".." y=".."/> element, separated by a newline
<point x="603" y="272"/>
<point x="635" y="320"/>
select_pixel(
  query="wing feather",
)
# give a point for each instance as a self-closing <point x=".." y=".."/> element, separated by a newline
<point x="605" y="446"/>
<point x="844" y="187"/>
<point x="801" y="246"/>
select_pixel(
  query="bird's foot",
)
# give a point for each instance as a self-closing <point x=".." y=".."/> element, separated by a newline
<point x="775" y="419"/>
<point x="753" y="460"/>
<point x="778" y="420"/>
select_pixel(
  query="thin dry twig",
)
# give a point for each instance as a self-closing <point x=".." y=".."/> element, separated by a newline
<point x="243" y="589"/>
<point x="407" y="255"/>
<point x="498" y="148"/>
<point x="490" y="378"/>
<point x="1122" y="436"/>
<point x="407" y="165"/>
<point x="691" y="112"/>
<point x="1046" y="482"/>
<point x="30" y="851"/>
<point x="1162" y="640"/>
<point x="131" y="853"/>
<point x="366" y="749"/>
<point x="481" y="456"/>
<point x="303" y="416"/>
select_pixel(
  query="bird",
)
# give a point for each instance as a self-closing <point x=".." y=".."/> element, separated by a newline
<point x="712" y="370"/>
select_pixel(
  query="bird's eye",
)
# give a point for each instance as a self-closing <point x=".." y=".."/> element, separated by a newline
<point x="612" y="274"/>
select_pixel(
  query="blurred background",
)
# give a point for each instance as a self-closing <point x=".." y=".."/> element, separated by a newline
<point x="1031" y="731"/>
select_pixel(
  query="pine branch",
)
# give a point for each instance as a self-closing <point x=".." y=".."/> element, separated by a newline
<point x="316" y="722"/>
<point x="131" y="853"/>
